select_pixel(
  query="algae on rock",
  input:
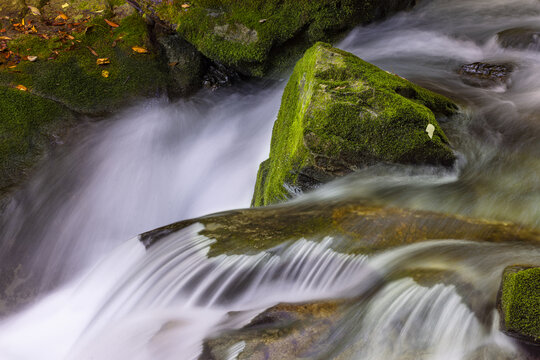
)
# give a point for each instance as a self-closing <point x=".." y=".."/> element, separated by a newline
<point x="520" y="303"/>
<point x="338" y="114"/>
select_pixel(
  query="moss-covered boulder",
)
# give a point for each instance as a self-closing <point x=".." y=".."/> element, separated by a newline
<point x="339" y="113"/>
<point x="250" y="34"/>
<point x="64" y="59"/>
<point x="67" y="70"/>
<point x="520" y="303"/>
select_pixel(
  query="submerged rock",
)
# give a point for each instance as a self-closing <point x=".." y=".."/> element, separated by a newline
<point x="363" y="227"/>
<point x="520" y="38"/>
<point x="520" y="303"/>
<point x="284" y="331"/>
<point x="339" y="113"/>
<point x="485" y="75"/>
<point x="254" y="36"/>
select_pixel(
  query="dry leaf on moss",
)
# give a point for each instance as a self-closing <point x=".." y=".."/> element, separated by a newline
<point x="21" y="87"/>
<point x="60" y="17"/>
<point x="103" y="61"/>
<point x="139" y="50"/>
<point x="111" y="24"/>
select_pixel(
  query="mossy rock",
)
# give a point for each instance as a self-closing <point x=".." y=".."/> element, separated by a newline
<point x="75" y="80"/>
<point x="249" y="34"/>
<point x="339" y="113"/>
<point x="66" y="79"/>
<point x="363" y="227"/>
<point x="28" y="123"/>
<point x="520" y="303"/>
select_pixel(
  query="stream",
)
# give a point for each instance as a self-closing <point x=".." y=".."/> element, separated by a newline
<point x="76" y="289"/>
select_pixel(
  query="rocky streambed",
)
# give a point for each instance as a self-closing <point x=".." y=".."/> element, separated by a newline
<point x="395" y="217"/>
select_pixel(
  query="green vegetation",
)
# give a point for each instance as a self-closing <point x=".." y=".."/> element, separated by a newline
<point x="339" y="113"/>
<point x="74" y="78"/>
<point x="26" y="123"/>
<point x="242" y="34"/>
<point x="66" y="79"/>
<point x="520" y="302"/>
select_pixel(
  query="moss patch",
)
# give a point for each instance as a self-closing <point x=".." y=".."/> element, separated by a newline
<point x="242" y="34"/>
<point x="74" y="78"/>
<point x="339" y="113"/>
<point x="520" y="302"/>
<point x="66" y="79"/>
<point x="27" y="123"/>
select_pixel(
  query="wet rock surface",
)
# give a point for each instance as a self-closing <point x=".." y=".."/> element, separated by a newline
<point x="284" y="331"/>
<point x="520" y="38"/>
<point x="482" y="74"/>
<point x="368" y="227"/>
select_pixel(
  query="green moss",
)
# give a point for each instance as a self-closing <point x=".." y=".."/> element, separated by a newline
<point x="75" y="80"/>
<point x="520" y="302"/>
<point x="338" y="113"/>
<point x="26" y="121"/>
<point x="244" y="33"/>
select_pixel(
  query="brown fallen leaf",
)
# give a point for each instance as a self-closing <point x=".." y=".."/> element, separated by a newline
<point x="105" y="73"/>
<point x="61" y="17"/>
<point x="185" y="6"/>
<point x="34" y="10"/>
<point x="111" y="24"/>
<point x="31" y="58"/>
<point x="34" y="30"/>
<point x="70" y="37"/>
<point x="5" y="38"/>
<point x="139" y="49"/>
<point x="21" y="87"/>
<point x="103" y="61"/>
<point x="92" y="51"/>
<point x="3" y="30"/>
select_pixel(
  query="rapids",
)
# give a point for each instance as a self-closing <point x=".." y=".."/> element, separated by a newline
<point x="92" y="295"/>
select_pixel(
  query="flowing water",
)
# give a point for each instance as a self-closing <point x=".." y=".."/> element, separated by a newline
<point x="95" y="296"/>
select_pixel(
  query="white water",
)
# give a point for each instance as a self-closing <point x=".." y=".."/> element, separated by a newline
<point x="147" y="167"/>
<point x="101" y="298"/>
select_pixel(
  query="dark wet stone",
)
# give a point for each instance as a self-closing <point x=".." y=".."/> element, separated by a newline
<point x="520" y="38"/>
<point x="485" y="75"/>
